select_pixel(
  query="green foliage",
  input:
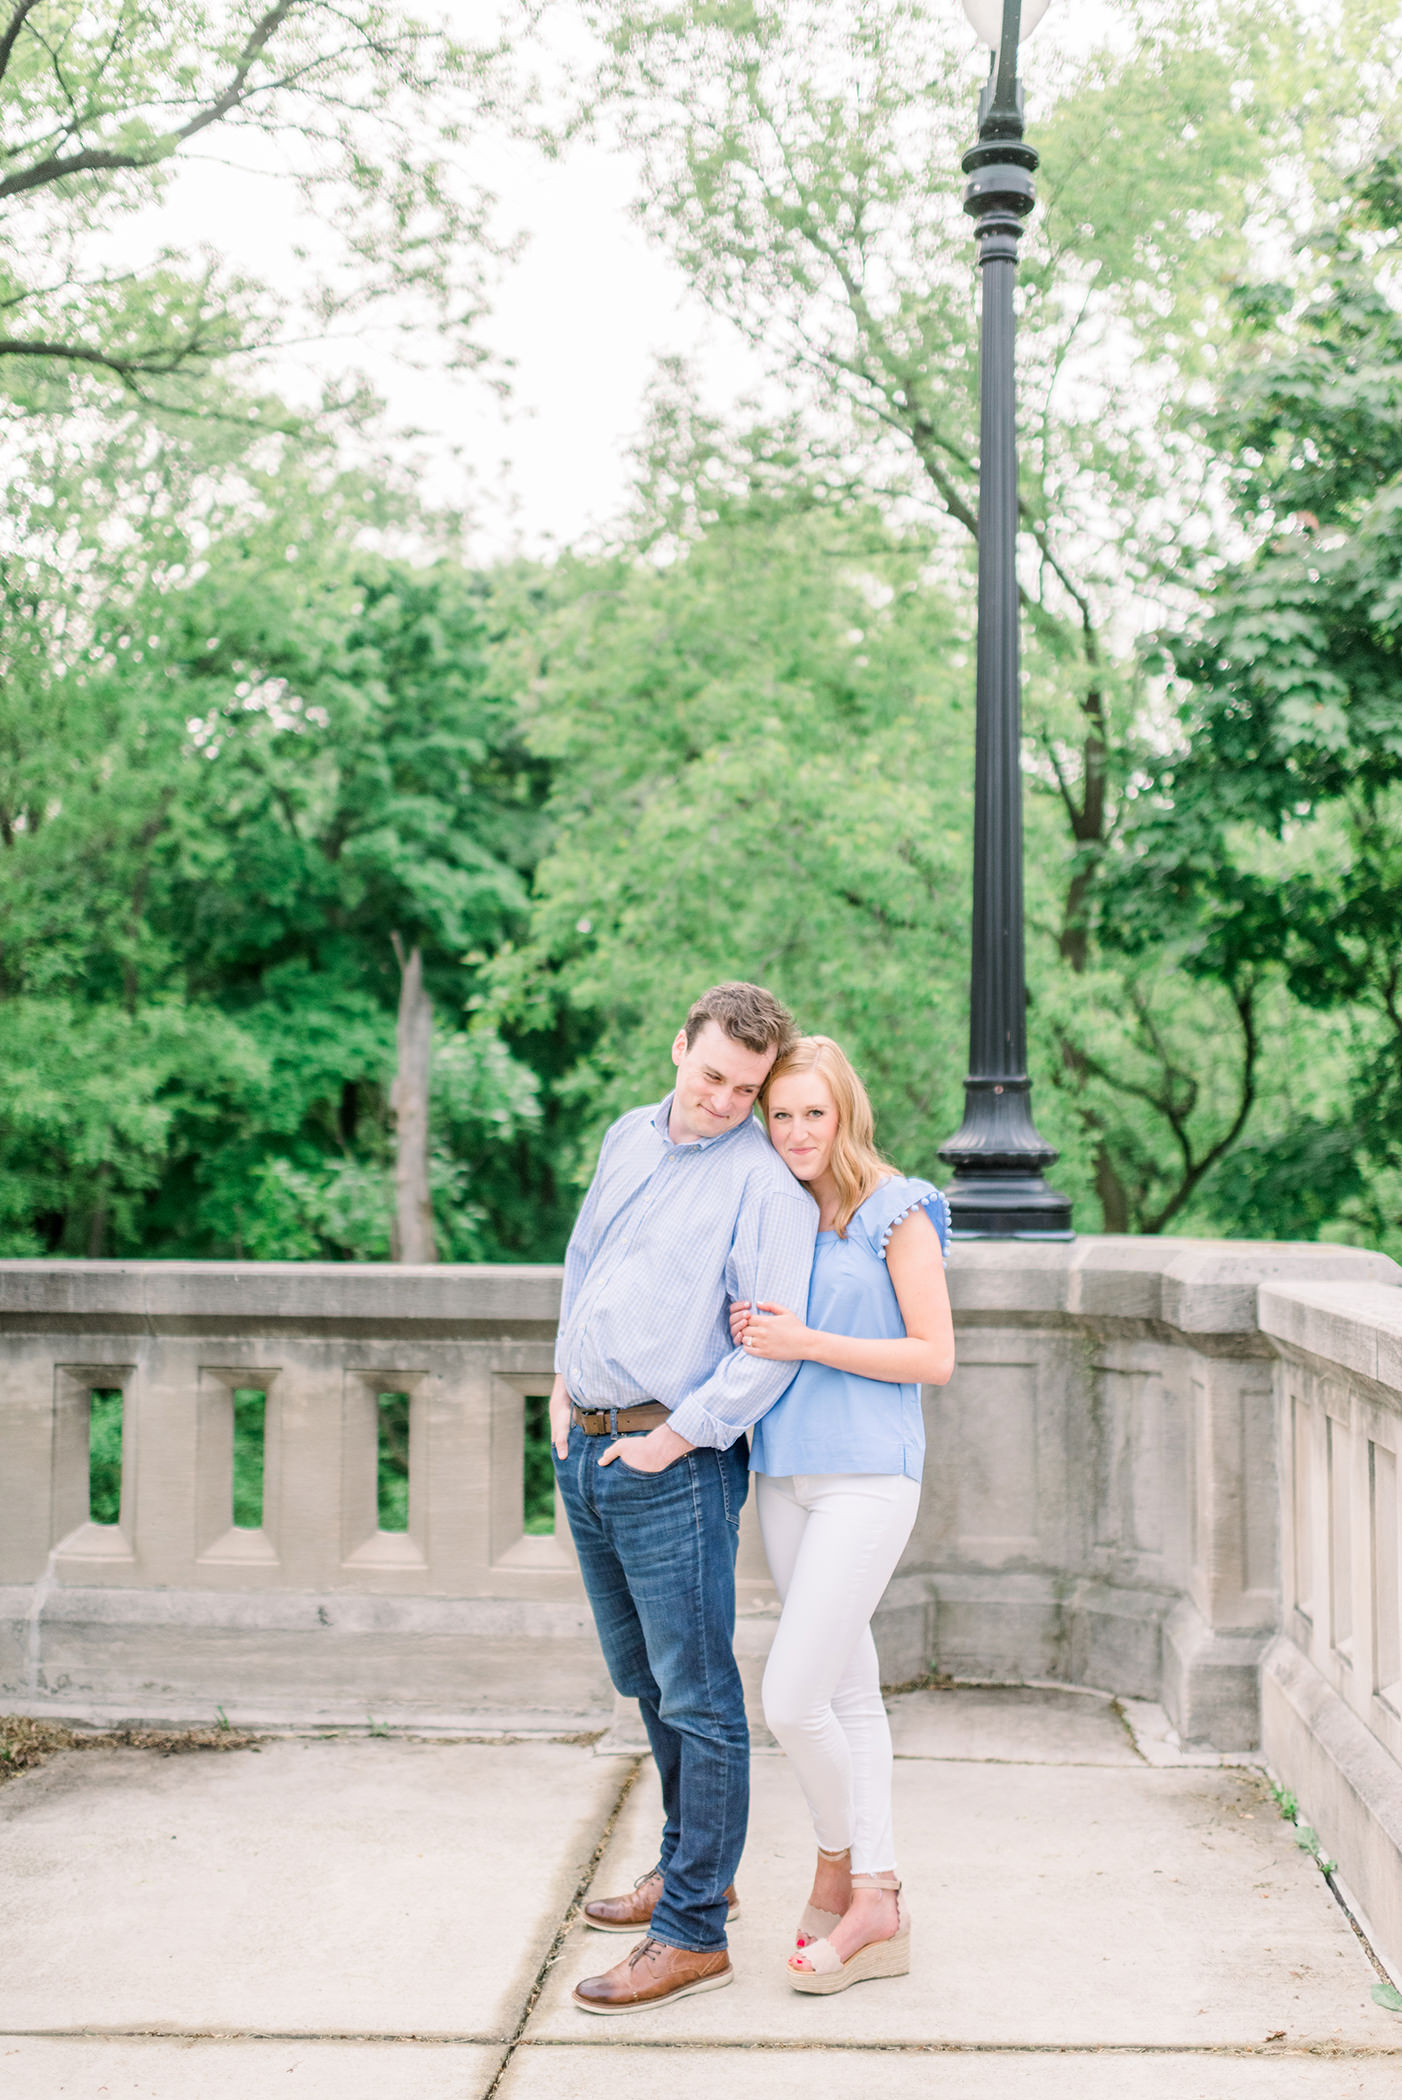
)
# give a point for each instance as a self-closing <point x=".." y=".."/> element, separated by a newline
<point x="221" y="795"/>
<point x="800" y="162"/>
<point x="1268" y="841"/>
<point x="355" y="107"/>
<point x="105" y="1456"/>
<point x="248" y="738"/>
<point x="760" y="740"/>
<point x="242" y="747"/>
<point x="538" y="1477"/>
<point x="393" y="1461"/>
<point x="250" y="1406"/>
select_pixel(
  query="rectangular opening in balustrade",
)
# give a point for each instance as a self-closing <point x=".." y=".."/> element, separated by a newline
<point x="1387" y="1573"/>
<point x="537" y="1470"/>
<point x="1340" y="1540"/>
<point x="1302" y="1428"/>
<point x="105" y="1455"/>
<point x="250" y="1428"/>
<point x="393" y="1468"/>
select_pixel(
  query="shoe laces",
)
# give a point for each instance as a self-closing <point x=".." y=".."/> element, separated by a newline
<point x="642" y="1950"/>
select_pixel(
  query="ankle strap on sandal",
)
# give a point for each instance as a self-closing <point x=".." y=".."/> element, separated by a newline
<point x="889" y="1882"/>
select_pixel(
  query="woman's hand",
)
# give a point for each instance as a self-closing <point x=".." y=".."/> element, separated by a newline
<point x="740" y="1317"/>
<point x="780" y="1336"/>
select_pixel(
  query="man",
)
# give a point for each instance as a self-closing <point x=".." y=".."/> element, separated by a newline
<point x="690" y="1207"/>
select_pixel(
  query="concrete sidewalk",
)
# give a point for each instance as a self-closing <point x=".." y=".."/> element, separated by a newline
<point x="357" y="1917"/>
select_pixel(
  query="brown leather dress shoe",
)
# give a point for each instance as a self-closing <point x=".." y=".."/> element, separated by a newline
<point x="633" y="1912"/>
<point x="654" y="1974"/>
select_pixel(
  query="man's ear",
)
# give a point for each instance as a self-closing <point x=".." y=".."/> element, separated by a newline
<point x="679" y="1047"/>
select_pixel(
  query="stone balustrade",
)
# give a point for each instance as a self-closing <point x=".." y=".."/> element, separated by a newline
<point x="1164" y="1467"/>
<point x="1331" y="1684"/>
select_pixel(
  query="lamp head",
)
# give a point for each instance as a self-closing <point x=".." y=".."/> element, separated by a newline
<point x="986" y="19"/>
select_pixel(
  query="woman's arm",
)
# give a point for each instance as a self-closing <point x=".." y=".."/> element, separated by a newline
<point x="926" y="1354"/>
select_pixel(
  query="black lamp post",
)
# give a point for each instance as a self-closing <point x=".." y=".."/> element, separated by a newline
<point x="998" y="1191"/>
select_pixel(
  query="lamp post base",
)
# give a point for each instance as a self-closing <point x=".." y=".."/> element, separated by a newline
<point x="998" y="1155"/>
<point x="986" y="1203"/>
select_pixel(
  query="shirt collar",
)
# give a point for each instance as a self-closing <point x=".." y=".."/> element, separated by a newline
<point x="662" y="1116"/>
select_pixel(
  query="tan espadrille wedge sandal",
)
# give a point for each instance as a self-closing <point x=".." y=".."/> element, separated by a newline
<point x="816" y="1924"/>
<point x="830" y="1973"/>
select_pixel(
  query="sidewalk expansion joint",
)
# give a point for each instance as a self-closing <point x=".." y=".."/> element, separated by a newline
<point x="1141" y="1770"/>
<point x="138" y="2033"/>
<point x="572" y="1910"/>
<point x="713" y="2045"/>
<point x="717" y="2045"/>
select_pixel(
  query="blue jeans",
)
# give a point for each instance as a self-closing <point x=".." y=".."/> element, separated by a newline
<point x="657" y="1553"/>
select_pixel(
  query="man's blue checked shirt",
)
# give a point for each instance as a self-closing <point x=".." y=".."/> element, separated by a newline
<point x="668" y="1235"/>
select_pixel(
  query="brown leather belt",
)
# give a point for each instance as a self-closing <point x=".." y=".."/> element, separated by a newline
<point x="618" y="1421"/>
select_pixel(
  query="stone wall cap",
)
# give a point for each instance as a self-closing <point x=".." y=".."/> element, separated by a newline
<point x="1356" y="1325"/>
<point x="1197" y="1286"/>
<point x="155" y="1292"/>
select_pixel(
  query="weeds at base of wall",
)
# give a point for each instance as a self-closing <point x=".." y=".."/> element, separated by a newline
<point x="25" y="1743"/>
<point x="1305" y="1837"/>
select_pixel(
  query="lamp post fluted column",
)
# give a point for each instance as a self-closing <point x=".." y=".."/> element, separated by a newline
<point x="998" y="1190"/>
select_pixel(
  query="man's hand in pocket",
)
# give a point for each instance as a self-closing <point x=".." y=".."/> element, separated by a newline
<point x="653" y="1453"/>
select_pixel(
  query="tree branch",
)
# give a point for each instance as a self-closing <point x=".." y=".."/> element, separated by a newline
<point x="1243" y="1002"/>
<point x="95" y="160"/>
<point x="1073" y="814"/>
<point x="16" y="23"/>
<point x="149" y="364"/>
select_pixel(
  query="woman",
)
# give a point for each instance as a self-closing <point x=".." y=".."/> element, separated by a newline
<point x="838" y="1461"/>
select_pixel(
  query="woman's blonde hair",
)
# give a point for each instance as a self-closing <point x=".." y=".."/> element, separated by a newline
<point x="857" y="1166"/>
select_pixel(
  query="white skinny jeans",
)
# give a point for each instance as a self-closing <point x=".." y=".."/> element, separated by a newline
<point x="833" y="1541"/>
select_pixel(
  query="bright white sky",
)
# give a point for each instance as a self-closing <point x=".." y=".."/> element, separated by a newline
<point x="583" y="315"/>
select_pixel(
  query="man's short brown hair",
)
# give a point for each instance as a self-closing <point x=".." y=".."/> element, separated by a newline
<point x="749" y="1014"/>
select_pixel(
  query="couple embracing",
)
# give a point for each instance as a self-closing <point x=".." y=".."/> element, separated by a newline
<point x="731" y="1277"/>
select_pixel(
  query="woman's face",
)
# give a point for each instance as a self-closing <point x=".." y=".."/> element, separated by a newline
<point x="802" y="1117"/>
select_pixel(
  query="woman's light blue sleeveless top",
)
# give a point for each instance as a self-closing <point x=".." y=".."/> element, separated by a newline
<point x="832" y="1421"/>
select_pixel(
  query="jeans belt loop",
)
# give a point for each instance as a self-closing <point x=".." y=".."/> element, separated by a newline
<point x="613" y="1421"/>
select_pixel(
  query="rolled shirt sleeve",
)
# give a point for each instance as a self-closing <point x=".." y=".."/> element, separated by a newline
<point x="770" y="1259"/>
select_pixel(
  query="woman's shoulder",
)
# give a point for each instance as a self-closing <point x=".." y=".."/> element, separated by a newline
<point x="894" y="1200"/>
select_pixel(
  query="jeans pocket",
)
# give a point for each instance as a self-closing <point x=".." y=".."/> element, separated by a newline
<point x="679" y="1470"/>
<point x="733" y="1467"/>
<point x="624" y="1471"/>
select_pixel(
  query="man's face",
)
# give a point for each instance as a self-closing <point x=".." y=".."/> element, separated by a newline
<point x="718" y="1081"/>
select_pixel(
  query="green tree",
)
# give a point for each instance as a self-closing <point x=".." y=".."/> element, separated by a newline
<point x="761" y="752"/>
<point x="801" y="162"/>
<point x="1269" y="839"/>
<point x="358" y="107"/>
<point x="218" y="804"/>
<point x="243" y="750"/>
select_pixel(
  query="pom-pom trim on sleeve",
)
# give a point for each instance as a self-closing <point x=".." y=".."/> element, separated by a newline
<point x="935" y="1203"/>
